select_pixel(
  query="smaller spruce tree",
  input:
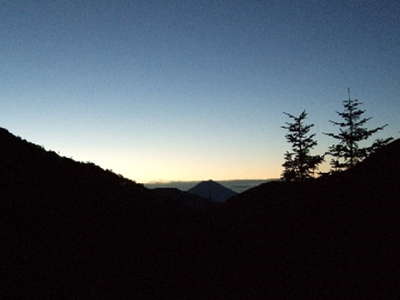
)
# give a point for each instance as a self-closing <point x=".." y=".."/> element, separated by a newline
<point x="299" y="164"/>
<point x="347" y="152"/>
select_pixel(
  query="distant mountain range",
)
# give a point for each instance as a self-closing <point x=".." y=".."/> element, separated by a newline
<point x="236" y="185"/>
<point x="212" y="191"/>
<point x="70" y="229"/>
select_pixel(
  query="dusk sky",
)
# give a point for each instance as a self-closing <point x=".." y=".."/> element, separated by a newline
<point x="192" y="89"/>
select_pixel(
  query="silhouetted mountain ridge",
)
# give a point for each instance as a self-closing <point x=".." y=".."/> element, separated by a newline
<point x="69" y="227"/>
<point x="213" y="191"/>
<point x="236" y="185"/>
<point x="73" y="229"/>
<point x="28" y="170"/>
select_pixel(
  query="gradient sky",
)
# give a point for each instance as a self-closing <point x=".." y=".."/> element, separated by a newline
<point x="192" y="89"/>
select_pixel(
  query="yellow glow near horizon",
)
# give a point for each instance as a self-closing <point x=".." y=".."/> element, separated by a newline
<point x="147" y="167"/>
<point x="158" y="170"/>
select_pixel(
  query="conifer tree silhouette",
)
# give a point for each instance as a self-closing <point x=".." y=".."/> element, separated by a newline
<point x="299" y="164"/>
<point x="347" y="152"/>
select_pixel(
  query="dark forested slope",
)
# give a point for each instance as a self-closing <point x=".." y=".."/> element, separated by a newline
<point x="73" y="229"/>
<point x="335" y="236"/>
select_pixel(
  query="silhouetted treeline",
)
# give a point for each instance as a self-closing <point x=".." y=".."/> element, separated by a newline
<point x="301" y="165"/>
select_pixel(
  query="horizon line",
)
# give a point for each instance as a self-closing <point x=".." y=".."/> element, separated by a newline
<point x="217" y="180"/>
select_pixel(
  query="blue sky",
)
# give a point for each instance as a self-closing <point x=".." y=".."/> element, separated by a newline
<point x="192" y="90"/>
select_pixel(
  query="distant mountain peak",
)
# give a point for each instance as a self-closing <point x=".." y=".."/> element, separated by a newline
<point x="213" y="191"/>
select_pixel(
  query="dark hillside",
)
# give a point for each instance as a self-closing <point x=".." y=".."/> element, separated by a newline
<point x="71" y="229"/>
<point x="333" y="236"/>
<point x="173" y="196"/>
<point x="28" y="170"/>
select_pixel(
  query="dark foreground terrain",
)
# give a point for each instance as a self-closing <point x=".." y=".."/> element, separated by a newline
<point x="73" y="229"/>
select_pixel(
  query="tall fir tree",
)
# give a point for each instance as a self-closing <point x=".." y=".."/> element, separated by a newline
<point x="299" y="164"/>
<point x="348" y="152"/>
